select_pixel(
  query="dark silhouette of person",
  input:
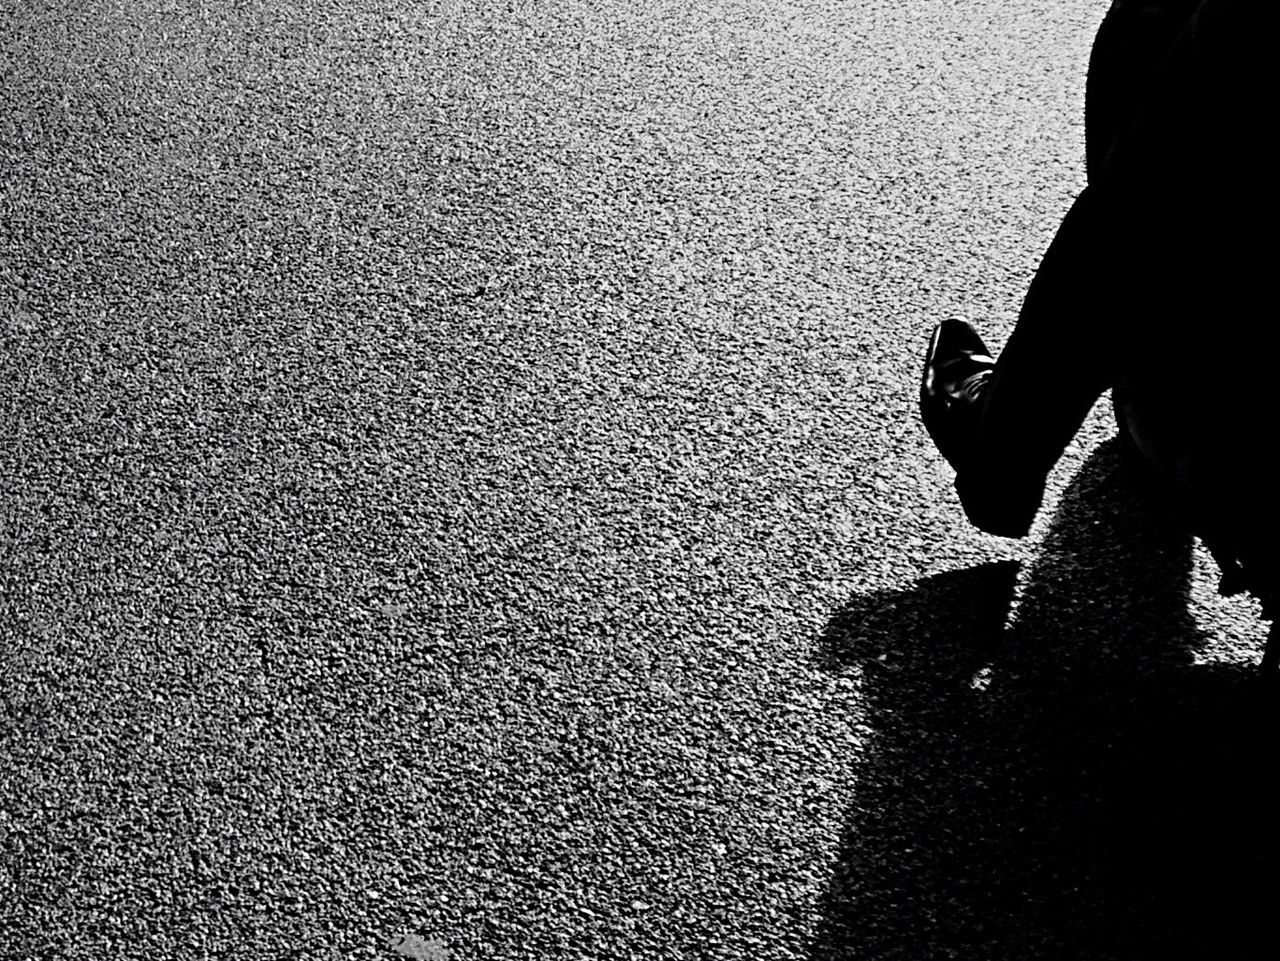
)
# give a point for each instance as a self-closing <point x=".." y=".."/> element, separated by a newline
<point x="1157" y="285"/>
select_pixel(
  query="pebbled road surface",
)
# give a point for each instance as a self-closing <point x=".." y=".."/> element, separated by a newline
<point x="461" y="496"/>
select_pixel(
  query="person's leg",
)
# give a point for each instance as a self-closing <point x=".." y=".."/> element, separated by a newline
<point x="1161" y="276"/>
<point x="1124" y="282"/>
<point x="1058" y="361"/>
<point x="1062" y="355"/>
<point x="1131" y="45"/>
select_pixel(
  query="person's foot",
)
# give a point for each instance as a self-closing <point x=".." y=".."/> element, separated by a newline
<point x="957" y="369"/>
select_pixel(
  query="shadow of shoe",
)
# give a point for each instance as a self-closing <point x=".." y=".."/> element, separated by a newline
<point x="1061" y="782"/>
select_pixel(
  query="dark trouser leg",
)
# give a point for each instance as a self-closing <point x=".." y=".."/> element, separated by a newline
<point x="1059" y="360"/>
<point x="1156" y="274"/>
<point x="1132" y="44"/>
<point x="1107" y="281"/>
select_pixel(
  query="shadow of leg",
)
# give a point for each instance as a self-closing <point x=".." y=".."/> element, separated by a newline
<point x="1064" y="787"/>
<point x="901" y="889"/>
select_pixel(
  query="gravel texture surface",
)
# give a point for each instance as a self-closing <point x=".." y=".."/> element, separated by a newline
<point x="461" y="496"/>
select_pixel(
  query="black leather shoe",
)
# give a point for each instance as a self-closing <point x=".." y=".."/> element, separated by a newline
<point x="957" y="369"/>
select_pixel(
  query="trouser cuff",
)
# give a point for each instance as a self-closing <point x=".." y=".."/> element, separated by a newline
<point x="1003" y="505"/>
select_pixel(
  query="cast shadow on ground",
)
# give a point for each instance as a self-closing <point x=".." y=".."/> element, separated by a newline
<point x="1069" y="784"/>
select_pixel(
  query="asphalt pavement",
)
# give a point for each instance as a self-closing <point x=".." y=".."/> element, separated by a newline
<point x="461" y="496"/>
